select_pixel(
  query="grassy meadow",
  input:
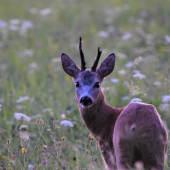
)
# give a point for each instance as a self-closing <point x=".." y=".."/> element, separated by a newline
<point x="34" y="33"/>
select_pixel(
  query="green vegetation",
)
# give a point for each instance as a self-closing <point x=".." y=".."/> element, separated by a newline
<point x="34" y="33"/>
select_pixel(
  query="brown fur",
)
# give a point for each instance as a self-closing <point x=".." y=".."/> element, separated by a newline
<point x="142" y="137"/>
<point x="125" y="135"/>
<point x="100" y="120"/>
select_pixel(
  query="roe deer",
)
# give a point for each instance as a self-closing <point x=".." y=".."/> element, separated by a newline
<point x="124" y="135"/>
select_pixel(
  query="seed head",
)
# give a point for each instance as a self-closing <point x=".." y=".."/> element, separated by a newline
<point x="8" y="142"/>
<point x="91" y="143"/>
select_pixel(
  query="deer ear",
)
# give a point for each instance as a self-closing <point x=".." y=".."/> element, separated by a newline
<point x="107" y="66"/>
<point x="69" y="65"/>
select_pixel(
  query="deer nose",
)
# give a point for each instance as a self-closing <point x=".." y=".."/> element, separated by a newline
<point x="85" y="101"/>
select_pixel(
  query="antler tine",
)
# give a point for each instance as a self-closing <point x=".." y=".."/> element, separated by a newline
<point x="97" y="60"/>
<point x="83" y="63"/>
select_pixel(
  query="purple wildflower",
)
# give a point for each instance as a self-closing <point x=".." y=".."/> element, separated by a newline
<point x="44" y="162"/>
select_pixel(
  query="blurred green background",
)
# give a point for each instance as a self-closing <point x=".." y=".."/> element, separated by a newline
<point x="33" y="34"/>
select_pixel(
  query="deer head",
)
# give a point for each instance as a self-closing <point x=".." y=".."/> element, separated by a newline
<point x="88" y="82"/>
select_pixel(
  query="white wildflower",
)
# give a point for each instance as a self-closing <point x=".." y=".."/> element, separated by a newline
<point x="164" y="107"/>
<point x="26" y="53"/>
<point x="14" y="27"/>
<point x="33" y="65"/>
<point x="122" y="72"/>
<point x="66" y="123"/>
<point x="3" y="24"/>
<point x="30" y="167"/>
<point x="115" y="80"/>
<point x="54" y="60"/>
<point x="139" y="75"/>
<point x="23" y="128"/>
<point x="105" y="88"/>
<point x="103" y="34"/>
<point x="20" y="107"/>
<point x="126" y="36"/>
<point x="125" y="98"/>
<point x="157" y="83"/>
<point x="26" y="24"/>
<point x="105" y="51"/>
<point x="139" y="165"/>
<point x="15" y="21"/>
<point x="166" y="98"/>
<point x="63" y="115"/>
<point x="33" y="10"/>
<point x="45" y="146"/>
<point x="19" y="116"/>
<point x="167" y="38"/>
<point x="121" y="55"/>
<point x="21" y="99"/>
<point x="135" y="100"/>
<point x="129" y="64"/>
<point x="137" y="60"/>
<point x="136" y="71"/>
<point x="10" y="122"/>
<point x="80" y="146"/>
<point x="45" y="12"/>
<point x="24" y="133"/>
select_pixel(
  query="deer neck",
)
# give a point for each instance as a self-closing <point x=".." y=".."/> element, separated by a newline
<point x="100" y="118"/>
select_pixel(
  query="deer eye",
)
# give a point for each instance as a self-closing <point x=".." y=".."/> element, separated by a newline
<point x="97" y="85"/>
<point x="77" y="84"/>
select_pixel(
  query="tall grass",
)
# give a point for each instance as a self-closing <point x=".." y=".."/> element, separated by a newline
<point x="33" y="34"/>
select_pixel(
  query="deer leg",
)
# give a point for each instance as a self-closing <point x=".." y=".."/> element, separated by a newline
<point x="124" y="151"/>
<point x="153" y="161"/>
<point x="153" y="156"/>
<point x="153" y="150"/>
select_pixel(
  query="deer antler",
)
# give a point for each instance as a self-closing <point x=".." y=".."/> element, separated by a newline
<point x="83" y="63"/>
<point x="93" y="68"/>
